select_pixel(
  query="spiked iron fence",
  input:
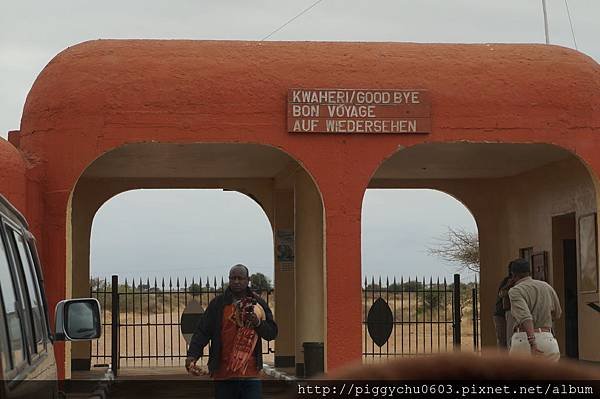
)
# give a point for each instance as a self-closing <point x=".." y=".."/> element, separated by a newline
<point x="142" y="326"/>
<point x="416" y="317"/>
<point x="141" y="321"/>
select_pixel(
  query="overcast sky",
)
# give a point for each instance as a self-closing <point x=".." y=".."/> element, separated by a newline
<point x="210" y="229"/>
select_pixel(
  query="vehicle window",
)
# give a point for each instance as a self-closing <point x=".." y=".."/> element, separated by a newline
<point x="21" y="293"/>
<point x="13" y="320"/>
<point x="4" y="351"/>
<point x="35" y="304"/>
<point x="36" y="270"/>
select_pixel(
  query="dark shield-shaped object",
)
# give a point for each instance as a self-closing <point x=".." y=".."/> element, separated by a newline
<point x="189" y="319"/>
<point x="380" y="322"/>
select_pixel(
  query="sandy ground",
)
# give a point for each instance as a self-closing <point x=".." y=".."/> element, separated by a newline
<point x="149" y="341"/>
<point x="155" y="340"/>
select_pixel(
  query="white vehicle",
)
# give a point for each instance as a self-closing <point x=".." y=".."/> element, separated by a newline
<point x="27" y="363"/>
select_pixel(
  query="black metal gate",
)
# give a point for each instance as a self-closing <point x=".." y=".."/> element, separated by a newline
<point x="417" y="317"/>
<point x="142" y="328"/>
<point x="141" y="321"/>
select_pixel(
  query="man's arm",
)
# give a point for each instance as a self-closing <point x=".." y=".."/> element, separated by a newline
<point x="527" y="325"/>
<point x="203" y="332"/>
<point x="523" y="318"/>
<point x="518" y="306"/>
<point x="267" y="329"/>
<point x="557" y="310"/>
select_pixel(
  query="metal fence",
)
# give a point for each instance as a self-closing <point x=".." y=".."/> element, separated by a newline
<point x="417" y="317"/>
<point x="141" y="321"/>
<point x="142" y="327"/>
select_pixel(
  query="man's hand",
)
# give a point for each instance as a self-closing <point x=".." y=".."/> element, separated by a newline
<point x="254" y="320"/>
<point x="190" y="366"/>
<point x="535" y="351"/>
<point x="189" y="363"/>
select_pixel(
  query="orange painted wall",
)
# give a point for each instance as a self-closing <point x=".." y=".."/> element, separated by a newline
<point x="98" y="95"/>
<point x="12" y="175"/>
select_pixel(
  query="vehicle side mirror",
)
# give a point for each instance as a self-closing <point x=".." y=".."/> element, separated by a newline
<point x="78" y="320"/>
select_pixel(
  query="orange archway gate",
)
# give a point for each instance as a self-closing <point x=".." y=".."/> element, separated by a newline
<point x="101" y="95"/>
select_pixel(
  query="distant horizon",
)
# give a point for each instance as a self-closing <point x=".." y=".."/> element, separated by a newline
<point x="187" y="282"/>
<point x="129" y="276"/>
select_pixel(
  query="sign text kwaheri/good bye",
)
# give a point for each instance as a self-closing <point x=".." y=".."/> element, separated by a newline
<point x="358" y="111"/>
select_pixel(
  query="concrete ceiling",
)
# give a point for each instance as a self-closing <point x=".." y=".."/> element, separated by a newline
<point x="468" y="160"/>
<point x="156" y="160"/>
<point x="215" y="161"/>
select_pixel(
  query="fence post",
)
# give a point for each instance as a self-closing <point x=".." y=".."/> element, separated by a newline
<point x="115" y="325"/>
<point x="475" y="319"/>
<point x="457" y="316"/>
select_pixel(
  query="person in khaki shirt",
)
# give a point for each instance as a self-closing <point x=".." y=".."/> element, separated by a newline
<point x="534" y="306"/>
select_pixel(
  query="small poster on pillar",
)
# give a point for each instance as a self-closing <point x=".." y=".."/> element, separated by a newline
<point x="540" y="266"/>
<point x="588" y="253"/>
<point x="284" y="249"/>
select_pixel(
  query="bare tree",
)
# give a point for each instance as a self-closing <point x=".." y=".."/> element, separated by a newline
<point x="458" y="246"/>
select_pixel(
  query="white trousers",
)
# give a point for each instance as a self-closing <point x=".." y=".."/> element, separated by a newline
<point x="544" y="341"/>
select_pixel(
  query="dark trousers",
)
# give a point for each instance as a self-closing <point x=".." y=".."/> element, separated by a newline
<point x="500" y="324"/>
<point x="247" y="388"/>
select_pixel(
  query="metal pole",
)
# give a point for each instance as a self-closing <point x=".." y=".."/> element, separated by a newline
<point x="457" y="317"/>
<point x="546" y="22"/>
<point x="115" y="325"/>
<point x="475" y="316"/>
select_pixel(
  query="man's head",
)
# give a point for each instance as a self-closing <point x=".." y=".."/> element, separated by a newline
<point x="520" y="267"/>
<point x="239" y="278"/>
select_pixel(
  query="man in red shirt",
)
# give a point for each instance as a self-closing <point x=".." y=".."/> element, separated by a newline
<point x="234" y="323"/>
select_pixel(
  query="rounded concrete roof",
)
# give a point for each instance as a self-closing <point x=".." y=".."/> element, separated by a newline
<point x="468" y="82"/>
<point x="97" y="96"/>
<point x="12" y="174"/>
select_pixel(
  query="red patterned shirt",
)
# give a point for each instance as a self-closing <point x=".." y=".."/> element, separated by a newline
<point x="229" y="329"/>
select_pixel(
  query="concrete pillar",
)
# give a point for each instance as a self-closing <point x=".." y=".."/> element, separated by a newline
<point x="564" y="227"/>
<point x="83" y="211"/>
<point x="285" y="307"/>
<point x="310" y="273"/>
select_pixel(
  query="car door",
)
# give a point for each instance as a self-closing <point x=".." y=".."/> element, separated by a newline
<point x="42" y="356"/>
<point x="28" y="363"/>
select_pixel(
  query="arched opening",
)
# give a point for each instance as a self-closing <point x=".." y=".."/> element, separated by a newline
<point x="180" y="233"/>
<point x="414" y="243"/>
<point x="276" y="182"/>
<point x="525" y="199"/>
<point x="408" y="223"/>
<point x="171" y="251"/>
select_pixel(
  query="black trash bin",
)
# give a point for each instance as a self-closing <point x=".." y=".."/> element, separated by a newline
<point x="314" y="357"/>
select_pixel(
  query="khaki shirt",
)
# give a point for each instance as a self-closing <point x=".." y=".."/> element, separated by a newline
<point x="534" y="300"/>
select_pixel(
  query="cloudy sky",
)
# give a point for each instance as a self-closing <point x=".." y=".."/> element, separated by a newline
<point x="210" y="229"/>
